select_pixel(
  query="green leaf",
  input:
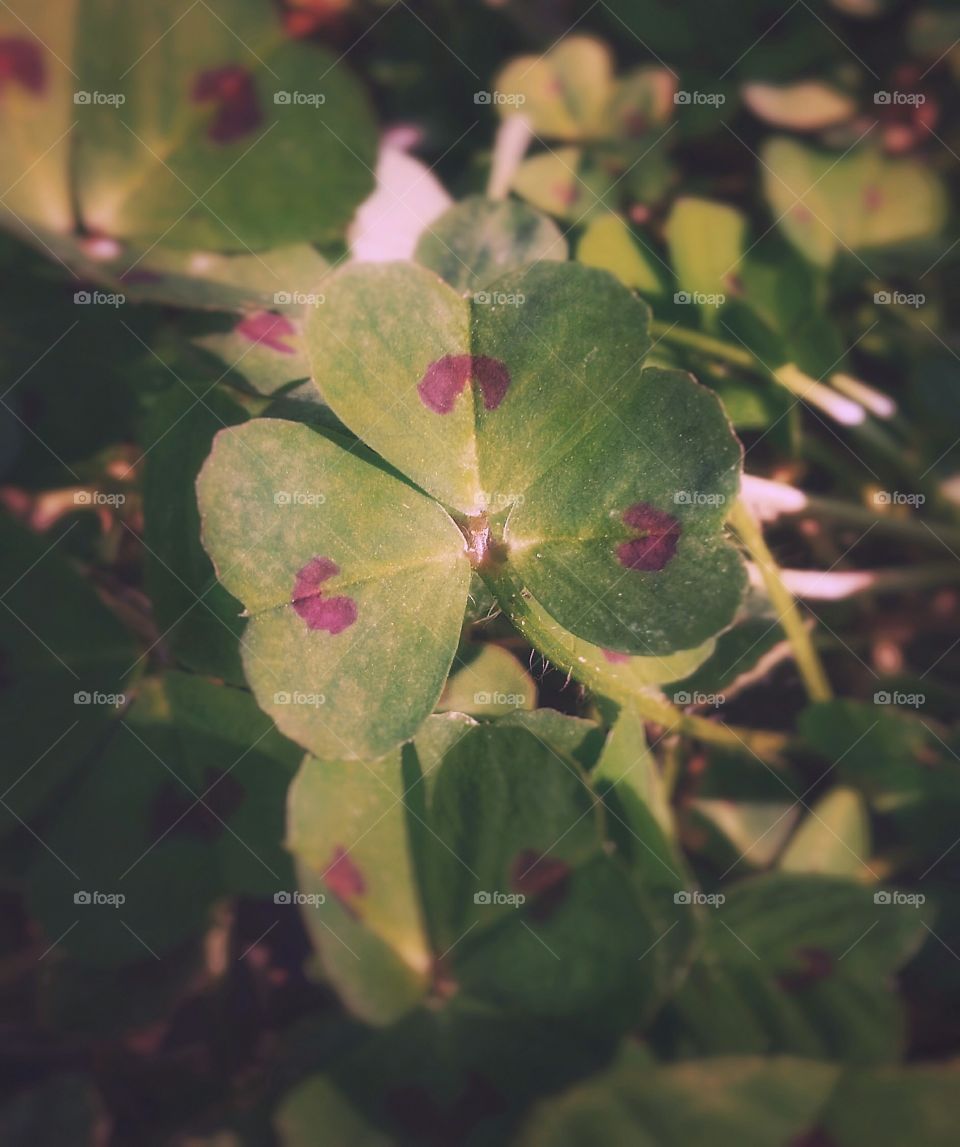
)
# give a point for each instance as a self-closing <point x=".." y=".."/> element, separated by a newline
<point x="887" y="1106"/>
<point x="349" y="828"/>
<point x="282" y="278"/>
<point x="829" y="205"/>
<point x="611" y="674"/>
<point x="37" y="113"/>
<point x="486" y="839"/>
<point x="511" y="816"/>
<point x="566" y="182"/>
<point x="184" y="805"/>
<point x="478" y="240"/>
<point x="642" y="100"/>
<point x="833" y="839"/>
<point x="199" y="620"/>
<point x="798" y="964"/>
<point x="65" y="662"/>
<point x="172" y="124"/>
<point x="487" y="682"/>
<point x="570" y="541"/>
<point x="317" y="1103"/>
<point x="336" y="608"/>
<point x="806" y="106"/>
<point x="310" y="164"/>
<point x="265" y="347"/>
<point x="607" y="243"/>
<point x="590" y="454"/>
<point x="754" y="831"/>
<point x="706" y="242"/>
<point x="722" y="1102"/>
<point x="564" y="92"/>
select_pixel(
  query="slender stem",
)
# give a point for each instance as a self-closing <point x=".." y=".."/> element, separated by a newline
<point x="707" y="344"/>
<point x="651" y="704"/>
<point x="805" y="655"/>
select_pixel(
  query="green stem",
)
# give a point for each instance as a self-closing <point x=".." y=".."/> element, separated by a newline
<point x="651" y="704"/>
<point x="788" y="612"/>
<point x="707" y="344"/>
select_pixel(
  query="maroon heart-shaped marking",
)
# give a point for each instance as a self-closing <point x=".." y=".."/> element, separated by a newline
<point x="334" y="614"/>
<point x="234" y="92"/>
<point x="658" y="534"/>
<point x="21" y="62"/>
<point x="446" y="379"/>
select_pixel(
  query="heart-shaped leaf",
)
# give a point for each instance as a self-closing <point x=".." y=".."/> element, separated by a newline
<point x="492" y="832"/>
<point x="607" y="243"/>
<point x="65" y="662"/>
<point x="336" y="610"/>
<point x="797" y="964"/>
<point x="184" y="804"/>
<point x="198" y="125"/>
<point x="805" y="106"/>
<point x="828" y="205"/>
<point x="706" y="242"/>
<point x="727" y="1101"/>
<point x="614" y="521"/>
<point x="478" y="240"/>
<point x="563" y="92"/>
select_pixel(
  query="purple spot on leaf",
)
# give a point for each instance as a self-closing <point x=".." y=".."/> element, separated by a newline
<point x="334" y="614"/>
<point x="232" y="89"/>
<point x="872" y="198"/>
<point x="815" y="964"/>
<point x="543" y="880"/>
<point x="343" y="878"/>
<point x="615" y="658"/>
<point x="657" y="536"/>
<point x="22" y="62"/>
<point x="446" y="379"/>
<point x="268" y="329"/>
